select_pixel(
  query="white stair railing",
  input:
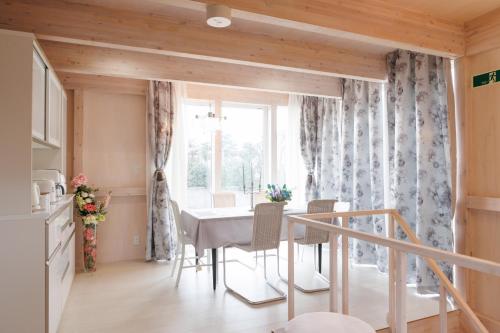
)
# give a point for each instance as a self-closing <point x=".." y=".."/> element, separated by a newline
<point x="398" y="252"/>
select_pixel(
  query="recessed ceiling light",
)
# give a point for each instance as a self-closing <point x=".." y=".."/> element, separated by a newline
<point x="218" y="16"/>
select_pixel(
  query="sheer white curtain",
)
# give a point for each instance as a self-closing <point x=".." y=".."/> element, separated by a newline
<point x="176" y="168"/>
<point x="295" y="171"/>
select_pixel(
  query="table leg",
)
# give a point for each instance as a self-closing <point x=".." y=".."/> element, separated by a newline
<point x="196" y="258"/>
<point x="214" y="268"/>
<point x="320" y="254"/>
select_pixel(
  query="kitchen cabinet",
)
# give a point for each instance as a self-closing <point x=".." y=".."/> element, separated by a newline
<point x="60" y="261"/>
<point x="54" y="114"/>
<point x="39" y="96"/>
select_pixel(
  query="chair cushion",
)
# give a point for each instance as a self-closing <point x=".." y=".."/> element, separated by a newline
<point x="323" y="322"/>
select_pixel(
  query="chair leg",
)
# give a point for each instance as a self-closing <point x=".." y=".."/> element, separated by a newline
<point x="181" y="265"/>
<point x="282" y="295"/>
<point x="172" y="271"/>
<point x="300" y="288"/>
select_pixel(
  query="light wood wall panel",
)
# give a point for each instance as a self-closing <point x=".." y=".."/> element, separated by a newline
<point x="91" y="60"/>
<point x="205" y="92"/>
<point x="174" y="35"/>
<point x="483" y="183"/>
<point x="113" y="145"/>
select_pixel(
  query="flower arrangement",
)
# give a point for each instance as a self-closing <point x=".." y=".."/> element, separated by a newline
<point x="275" y="193"/>
<point x="91" y="211"/>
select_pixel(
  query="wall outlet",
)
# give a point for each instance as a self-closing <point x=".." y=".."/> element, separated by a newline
<point x="136" y="240"/>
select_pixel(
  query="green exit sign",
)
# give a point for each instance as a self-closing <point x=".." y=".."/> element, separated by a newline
<point x="486" y="78"/>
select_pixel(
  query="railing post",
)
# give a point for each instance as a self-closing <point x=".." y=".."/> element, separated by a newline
<point x="400" y="299"/>
<point x="345" y="268"/>
<point x="392" y="298"/>
<point x="291" y="270"/>
<point x="333" y="272"/>
<point x="443" y="311"/>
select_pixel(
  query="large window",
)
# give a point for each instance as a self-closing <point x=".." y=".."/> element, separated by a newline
<point x="229" y="145"/>
<point x="243" y="148"/>
<point x="199" y="154"/>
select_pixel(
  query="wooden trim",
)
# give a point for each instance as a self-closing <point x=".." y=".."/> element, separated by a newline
<point x="483" y="203"/>
<point x="378" y="22"/>
<point x="78" y="118"/>
<point x="483" y="33"/>
<point x="123" y="191"/>
<point x="170" y="34"/>
<point x="92" y="60"/>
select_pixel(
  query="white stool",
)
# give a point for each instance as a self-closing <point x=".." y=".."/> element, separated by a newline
<point x="326" y="322"/>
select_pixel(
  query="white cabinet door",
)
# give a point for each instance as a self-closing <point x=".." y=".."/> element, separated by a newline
<point x="39" y="97"/>
<point x="54" y="121"/>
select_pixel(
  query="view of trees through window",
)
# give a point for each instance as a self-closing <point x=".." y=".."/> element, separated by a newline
<point x="199" y="154"/>
<point x="240" y="141"/>
<point x="243" y="148"/>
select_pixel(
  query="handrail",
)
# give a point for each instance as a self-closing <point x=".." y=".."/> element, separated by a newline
<point x="398" y="249"/>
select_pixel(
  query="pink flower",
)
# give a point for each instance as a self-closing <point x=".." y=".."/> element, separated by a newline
<point x="90" y="207"/>
<point x="79" y="180"/>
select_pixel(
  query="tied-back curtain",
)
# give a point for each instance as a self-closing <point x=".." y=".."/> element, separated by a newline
<point x="161" y="230"/>
<point x="362" y="182"/>
<point x="319" y="138"/>
<point x="419" y="154"/>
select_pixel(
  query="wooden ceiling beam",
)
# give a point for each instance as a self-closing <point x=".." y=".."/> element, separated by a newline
<point x="175" y="36"/>
<point x="103" y="83"/>
<point x="374" y="21"/>
<point x="93" y="60"/>
<point x="483" y="33"/>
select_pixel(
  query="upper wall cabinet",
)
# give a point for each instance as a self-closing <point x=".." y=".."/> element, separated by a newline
<point x="55" y="109"/>
<point x="39" y="97"/>
<point x="48" y="104"/>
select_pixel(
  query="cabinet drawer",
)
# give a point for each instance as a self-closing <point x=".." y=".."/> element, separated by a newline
<point x="55" y="230"/>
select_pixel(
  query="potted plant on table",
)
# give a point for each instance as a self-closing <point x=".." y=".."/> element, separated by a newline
<point x="275" y="193"/>
<point x="92" y="213"/>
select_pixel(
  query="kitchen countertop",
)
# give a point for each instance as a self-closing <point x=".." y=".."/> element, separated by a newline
<point x="55" y="208"/>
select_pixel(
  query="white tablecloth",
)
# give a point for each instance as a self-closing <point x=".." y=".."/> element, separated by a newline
<point x="216" y="227"/>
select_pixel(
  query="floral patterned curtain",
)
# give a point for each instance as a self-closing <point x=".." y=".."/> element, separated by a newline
<point x="161" y="232"/>
<point x="362" y="180"/>
<point x="319" y="137"/>
<point x="419" y="154"/>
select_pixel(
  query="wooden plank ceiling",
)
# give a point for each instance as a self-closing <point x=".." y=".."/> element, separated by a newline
<point x="298" y="46"/>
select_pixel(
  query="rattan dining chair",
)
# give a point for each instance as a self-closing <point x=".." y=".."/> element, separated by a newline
<point x="314" y="236"/>
<point x="267" y="221"/>
<point x="182" y="241"/>
<point x="223" y="199"/>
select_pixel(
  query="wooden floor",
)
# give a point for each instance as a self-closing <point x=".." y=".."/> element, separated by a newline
<point x="141" y="297"/>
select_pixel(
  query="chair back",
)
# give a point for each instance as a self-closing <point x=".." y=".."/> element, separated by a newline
<point x="312" y="235"/>
<point x="178" y="220"/>
<point x="223" y="199"/>
<point x="267" y="221"/>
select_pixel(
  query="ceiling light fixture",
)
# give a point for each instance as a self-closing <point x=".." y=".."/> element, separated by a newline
<point x="218" y="16"/>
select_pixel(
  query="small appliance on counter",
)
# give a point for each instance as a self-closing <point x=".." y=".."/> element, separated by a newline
<point x="56" y="177"/>
<point x="35" y="196"/>
<point x="47" y="186"/>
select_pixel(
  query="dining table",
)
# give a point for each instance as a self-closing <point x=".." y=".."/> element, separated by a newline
<point x="212" y="228"/>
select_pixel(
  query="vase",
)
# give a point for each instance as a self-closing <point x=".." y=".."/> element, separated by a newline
<point x="89" y="247"/>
